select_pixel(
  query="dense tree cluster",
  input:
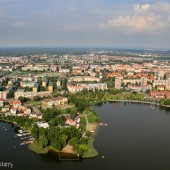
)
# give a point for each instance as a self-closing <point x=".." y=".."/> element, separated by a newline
<point x="58" y="138"/>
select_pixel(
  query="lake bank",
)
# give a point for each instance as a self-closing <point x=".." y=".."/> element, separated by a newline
<point x="137" y="137"/>
<point x="92" y="151"/>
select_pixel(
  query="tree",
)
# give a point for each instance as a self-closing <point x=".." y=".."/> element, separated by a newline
<point x="43" y="141"/>
<point x="35" y="132"/>
<point x="37" y="98"/>
<point x="82" y="149"/>
<point x="10" y="94"/>
<point x="162" y="101"/>
<point x="148" y="91"/>
<point x="74" y="142"/>
<point x="23" y="99"/>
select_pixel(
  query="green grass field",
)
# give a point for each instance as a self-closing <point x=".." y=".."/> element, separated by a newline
<point x="91" y="118"/>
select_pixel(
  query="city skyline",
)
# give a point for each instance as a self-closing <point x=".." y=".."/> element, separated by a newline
<point x="90" y="23"/>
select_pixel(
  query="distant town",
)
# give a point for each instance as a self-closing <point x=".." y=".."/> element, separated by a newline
<point x="58" y="91"/>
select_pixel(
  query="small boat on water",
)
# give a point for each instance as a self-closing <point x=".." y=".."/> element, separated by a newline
<point x="27" y="142"/>
<point x="103" y="124"/>
<point x="103" y="157"/>
<point x="32" y="139"/>
<point x="19" y="134"/>
<point x="20" y="131"/>
<point x="27" y="137"/>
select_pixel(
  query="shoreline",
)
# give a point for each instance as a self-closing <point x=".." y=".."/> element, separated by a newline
<point x="92" y="151"/>
<point x="133" y="101"/>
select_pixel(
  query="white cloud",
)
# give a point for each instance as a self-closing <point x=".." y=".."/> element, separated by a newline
<point x="144" y="18"/>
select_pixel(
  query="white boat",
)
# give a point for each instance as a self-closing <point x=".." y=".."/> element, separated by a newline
<point x="27" y="137"/>
<point x="103" y="124"/>
<point x="19" y="135"/>
<point x="20" y="131"/>
<point x="32" y="139"/>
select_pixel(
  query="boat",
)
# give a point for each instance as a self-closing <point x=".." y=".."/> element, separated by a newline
<point x="22" y="143"/>
<point x="103" y="124"/>
<point x="19" y="134"/>
<point x="32" y="139"/>
<point x="27" y="142"/>
<point x="103" y="157"/>
<point x="25" y="137"/>
<point x="20" y="131"/>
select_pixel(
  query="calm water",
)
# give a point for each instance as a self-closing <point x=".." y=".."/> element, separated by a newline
<point x="136" y="138"/>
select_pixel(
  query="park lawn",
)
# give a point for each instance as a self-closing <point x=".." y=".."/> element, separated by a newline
<point x="38" y="149"/>
<point x="35" y="147"/>
<point x="33" y="103"/>
<point x="70" y="106"/>
<point x="92" y="152"/>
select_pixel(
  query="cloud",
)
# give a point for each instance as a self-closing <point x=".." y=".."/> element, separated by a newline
<point x="141" y="8"/>
<point x="71" y="9"/>
<point x="19" y="24"/>
<point x="144" y="18"/>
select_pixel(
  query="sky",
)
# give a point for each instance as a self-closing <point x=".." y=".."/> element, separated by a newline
<point x="85" y="23"/>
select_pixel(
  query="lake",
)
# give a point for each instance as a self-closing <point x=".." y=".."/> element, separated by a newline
<point x="137" y="138"/>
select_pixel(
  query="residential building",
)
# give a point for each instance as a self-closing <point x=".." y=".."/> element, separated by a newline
<point x="59" y="82"/>
<point x="35" y="88"/>
<point x="1" y="102"/>
<point x="15" y="103"/>
<point x="21" y="93"/>
<point x="161" y="87"/>
<point x="84" y="78"/>
<point x="50" y="87"/>
<point x="54" y="102"/>
<point x="161" y="82"/>
<point x="3" y="94"/>
<point x="27" y="83"/>
<point x="74" y="89"/>
<point x="78" y="88"/>
<point x="24" y="110"/>
<point x="99" y="86"/>
<point x="64" y="70"/>
<point x="131" y="81"/>
<point x="44" y="82"/>
<point x="118" y="83"/>
<point x="43" y="125"/>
